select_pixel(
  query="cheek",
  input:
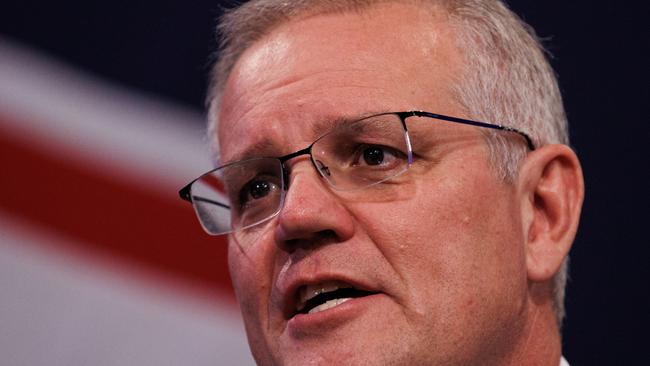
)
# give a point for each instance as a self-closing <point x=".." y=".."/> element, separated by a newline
<point x="251" y="278"/>
<point x="451" y="234"/>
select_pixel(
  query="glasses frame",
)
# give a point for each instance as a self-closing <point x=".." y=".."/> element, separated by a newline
<point x="185" y="192"/>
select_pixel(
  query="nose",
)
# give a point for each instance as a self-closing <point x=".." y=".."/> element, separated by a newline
<point x="312" y="214"/>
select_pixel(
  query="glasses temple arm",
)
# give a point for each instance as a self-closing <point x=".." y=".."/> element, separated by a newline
<point x="529" y="141"/>
<point x="185" y="195"/>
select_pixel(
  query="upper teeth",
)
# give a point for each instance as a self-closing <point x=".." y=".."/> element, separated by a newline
<point x="310" y="291"/>
<point x="328" y="304"/>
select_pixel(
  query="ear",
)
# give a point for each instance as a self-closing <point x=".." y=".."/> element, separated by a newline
<point x="551" y="189"/>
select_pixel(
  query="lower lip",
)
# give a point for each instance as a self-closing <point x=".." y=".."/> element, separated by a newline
<point x="317" y="323"/>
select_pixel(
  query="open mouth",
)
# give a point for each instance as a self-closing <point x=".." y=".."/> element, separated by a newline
<point x="323" y="296"/>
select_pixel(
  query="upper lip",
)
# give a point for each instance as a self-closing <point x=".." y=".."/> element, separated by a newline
<point x="291" y="290"/>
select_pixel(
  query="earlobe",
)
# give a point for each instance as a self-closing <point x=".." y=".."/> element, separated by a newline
<point x="551" y="190"/>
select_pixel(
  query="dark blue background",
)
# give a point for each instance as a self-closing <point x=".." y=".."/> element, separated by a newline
<point x="600" y="53"/>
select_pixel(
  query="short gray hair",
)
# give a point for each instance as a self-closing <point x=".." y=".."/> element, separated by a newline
<point x="507" y="78"/>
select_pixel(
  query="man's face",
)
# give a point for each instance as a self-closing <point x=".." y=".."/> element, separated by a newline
<point x="439" y="250"/>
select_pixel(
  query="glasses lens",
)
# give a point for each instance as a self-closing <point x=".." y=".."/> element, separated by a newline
<point x="363" y="153"/>
<point x="238" y="195"/>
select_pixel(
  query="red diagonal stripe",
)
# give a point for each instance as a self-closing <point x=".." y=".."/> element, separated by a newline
<point x="125" y="221"/>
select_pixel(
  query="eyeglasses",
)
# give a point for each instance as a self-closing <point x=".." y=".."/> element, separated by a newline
<point x="353" y="156"/>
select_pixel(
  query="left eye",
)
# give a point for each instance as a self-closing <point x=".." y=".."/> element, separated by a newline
<point x="375" y="155"/>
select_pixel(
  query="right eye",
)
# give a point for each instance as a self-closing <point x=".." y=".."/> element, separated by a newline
<point x="259" y="189"/>
<point x="256" y="189"/>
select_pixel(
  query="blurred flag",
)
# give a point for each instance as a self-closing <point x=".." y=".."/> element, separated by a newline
<point x="100" y="261"/>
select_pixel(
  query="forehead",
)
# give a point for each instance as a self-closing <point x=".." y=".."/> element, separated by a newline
<point x="311" y="72"/>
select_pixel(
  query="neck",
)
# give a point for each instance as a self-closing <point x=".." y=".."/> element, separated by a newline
<point x="541" y="342"/>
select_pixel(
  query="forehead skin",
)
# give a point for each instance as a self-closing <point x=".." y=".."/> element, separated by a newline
<point x="446" y="255"/>
<point x="315" y="61"/>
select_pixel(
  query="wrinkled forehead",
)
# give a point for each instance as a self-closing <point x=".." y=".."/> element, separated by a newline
<point x="312" y="73"/>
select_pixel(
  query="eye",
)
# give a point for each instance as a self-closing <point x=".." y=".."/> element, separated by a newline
<point x="256" y="189"/>
<point x="376" y="155"/>
<point x="259" y="189"/>
<point x="373" y="155"/>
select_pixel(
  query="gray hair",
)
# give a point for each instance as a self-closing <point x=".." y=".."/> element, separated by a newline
<point x="507" y="78"/>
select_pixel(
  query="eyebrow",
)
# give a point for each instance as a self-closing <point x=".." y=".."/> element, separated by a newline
<point x="333" y="123"/>
<point x="256" y="150"/>
<point x="323" y="126"/>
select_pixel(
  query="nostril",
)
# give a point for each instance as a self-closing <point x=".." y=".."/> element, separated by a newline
<point x="328" y="235"/>
<point x="311" y="241"/>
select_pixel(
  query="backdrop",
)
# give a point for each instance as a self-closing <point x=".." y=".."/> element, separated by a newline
<point x="101" y="121"/>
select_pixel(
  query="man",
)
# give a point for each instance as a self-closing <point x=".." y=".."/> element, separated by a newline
<point x="397" y="186"/>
